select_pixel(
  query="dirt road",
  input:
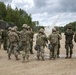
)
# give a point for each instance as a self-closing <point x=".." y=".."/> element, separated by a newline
<point x="60" y="66"/>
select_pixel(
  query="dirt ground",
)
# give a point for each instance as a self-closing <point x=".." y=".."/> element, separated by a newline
<point x="60" y="66"/>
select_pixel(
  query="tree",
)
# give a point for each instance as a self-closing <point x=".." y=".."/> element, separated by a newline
<point x="2" y="11"/>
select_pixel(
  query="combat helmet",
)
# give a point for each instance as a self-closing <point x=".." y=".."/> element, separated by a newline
<point x="13" y="29"/>
<point x="9" y="28"/>
<point x="69" y="27"/>
<point x="54" y="30"/>
<point x="41" y="30"/>
<point x="56" y="27"/>
<point x="25" y="26"/>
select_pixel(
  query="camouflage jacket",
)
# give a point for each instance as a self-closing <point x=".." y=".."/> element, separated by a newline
<point x="68" y="36"/>
<point x="54" y="38"/>
<point x="41" y="39"/>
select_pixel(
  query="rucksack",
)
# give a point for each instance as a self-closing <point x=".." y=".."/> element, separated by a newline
<point x="25" y="37"/>
<point x="39" y="40"/>
<point x="54" y="39"/>
<point x="12" y="37"/>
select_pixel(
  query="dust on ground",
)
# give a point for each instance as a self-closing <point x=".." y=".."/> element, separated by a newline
<point x="60" y="66"/>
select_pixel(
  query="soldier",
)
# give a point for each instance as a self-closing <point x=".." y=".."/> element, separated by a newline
<point x="31" y="39"/>
<point x="58" y="51"/>
<point x="8" y="44"/>
<point x="53" y="38"/>
<point x="13" y="47"/>
<point x="41" y="41"/>
<point x="5" y="38"/>
<point x="25" y="40"/>
<point x="18" y="33"/>
<point x="68" y="41"/>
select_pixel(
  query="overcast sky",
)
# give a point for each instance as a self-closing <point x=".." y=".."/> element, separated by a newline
<point x="47" y="12"/>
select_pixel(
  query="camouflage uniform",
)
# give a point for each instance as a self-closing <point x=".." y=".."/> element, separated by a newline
<point x="68" y="41"/>
<point x="41" y="41"/>
<point x="25" y="41"/>
<point x="8" y="44"/>
<point x="18" y="33"/>
<point x="13" y="47"/>
<point x="5" y="38"/>
<point x="31" y="39"/>
<point x="58" y="51"/>
<point x="53" y="38"/>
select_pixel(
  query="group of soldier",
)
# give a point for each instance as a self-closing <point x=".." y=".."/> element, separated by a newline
<point x="17" y="41"/>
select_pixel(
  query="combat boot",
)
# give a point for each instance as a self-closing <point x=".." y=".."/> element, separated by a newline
<point x="58" y="56"/>
<point x="38" y="57"/>
<point x="23" y="60"/>
<point x="42" y="58"/>
<point x="9" y="57"/>
<point x="28" y="59"/>
<point x="17" y="57"/>
<point x="70" y="56"/>
<point x="66" y="56"/>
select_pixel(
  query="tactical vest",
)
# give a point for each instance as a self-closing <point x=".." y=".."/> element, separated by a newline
<point x="54" y="38"/>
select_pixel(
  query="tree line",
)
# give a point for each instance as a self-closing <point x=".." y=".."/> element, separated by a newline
<point x="16" y="16"/>
<point x="72" y="24"/>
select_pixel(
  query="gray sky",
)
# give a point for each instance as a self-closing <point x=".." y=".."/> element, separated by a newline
<point x="47" y="12"/>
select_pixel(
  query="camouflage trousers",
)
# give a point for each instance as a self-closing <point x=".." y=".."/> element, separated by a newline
<point x="53" y="52"/>
<point x="69" y="48"/>
<point x="25" y="50"/>
<point x="31" y="47"/>
<point x="5" y="44"/>
<point x="40" y="52"/>
<point x="13" y="47"/>
<point x="58" y="51"/>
